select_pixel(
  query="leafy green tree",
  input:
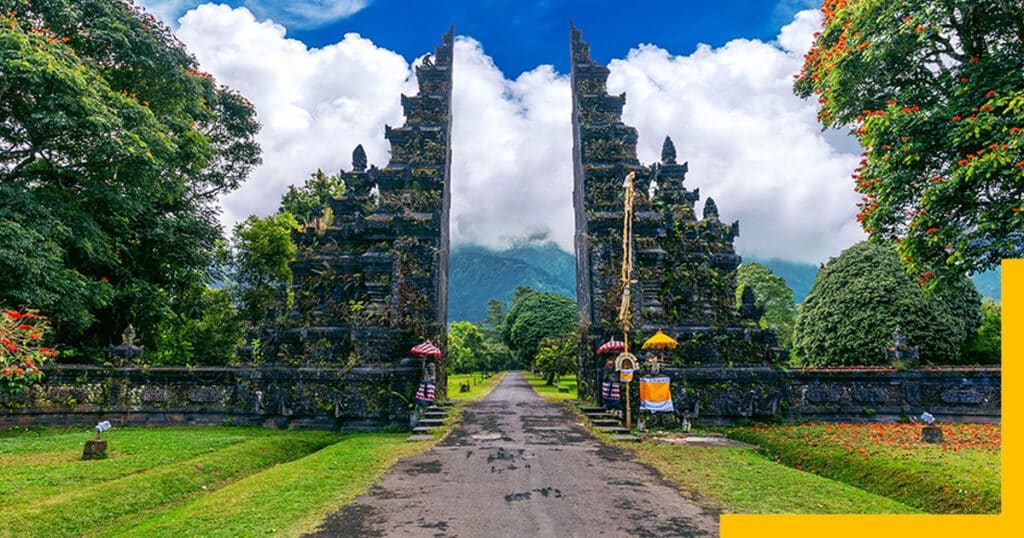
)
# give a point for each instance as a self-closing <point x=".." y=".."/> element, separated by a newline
<point x="303" y="200"/>
<point x="860" y="298"/>
<point x="934" y="90"/>
<point x="985" y="347"/>
<point x="533" y="317"/>
<point x="263" y="247"/>
<point x="556" y="358"/>
<point x="206" y="334"/>
<point x="114" y="150"/>
<point x="467" y="349"/>
<point x="773" y="294"/>
<point x="491" y="326"/>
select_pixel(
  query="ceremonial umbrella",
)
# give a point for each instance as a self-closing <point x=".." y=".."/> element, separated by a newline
<point x="660" y="340"/>
<point x="612" y="346"/>
<point x="427" y="349"/>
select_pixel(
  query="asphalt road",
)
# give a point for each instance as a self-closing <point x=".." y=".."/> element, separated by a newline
<point x="519" y="466"/>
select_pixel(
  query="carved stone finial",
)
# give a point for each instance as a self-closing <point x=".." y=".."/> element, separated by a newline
<point x="668" y="151"/>
<point x="128" y="336"/>
<point x="359" y="159"/>
<point x="710" y="208"/>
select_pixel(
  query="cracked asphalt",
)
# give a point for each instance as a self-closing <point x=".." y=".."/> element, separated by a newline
<point x="520" y="466"/>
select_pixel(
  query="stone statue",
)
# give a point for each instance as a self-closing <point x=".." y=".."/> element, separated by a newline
<point x="901" y="349"/>
<point x="128" y="336"/>
<point x="899" y="339"/>
<point x="127" y="350"/>
<point x="429" y="372"/>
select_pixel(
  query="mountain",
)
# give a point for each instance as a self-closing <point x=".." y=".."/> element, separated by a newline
<point x="800" y="277"/>
<point x="477" y="274"/>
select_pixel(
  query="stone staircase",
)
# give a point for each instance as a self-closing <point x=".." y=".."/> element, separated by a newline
<point x="431" y="418"/>
<point x="605" y="422"/>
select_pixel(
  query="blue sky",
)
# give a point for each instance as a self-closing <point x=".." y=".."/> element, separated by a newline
<point x="521" y="35"/>
<point x="325" y="75"/>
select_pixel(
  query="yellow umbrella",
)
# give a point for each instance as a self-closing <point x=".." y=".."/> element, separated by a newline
<point x="660" y="340"/>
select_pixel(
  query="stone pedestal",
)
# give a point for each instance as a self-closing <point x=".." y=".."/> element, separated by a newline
<point x="931" y="434"/>
<point x="95" y="449"/>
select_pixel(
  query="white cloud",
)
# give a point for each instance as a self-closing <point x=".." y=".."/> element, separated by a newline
<point x="751" y="144"/>
<point x="511" y="152"/>
<point x="315" y="105"/>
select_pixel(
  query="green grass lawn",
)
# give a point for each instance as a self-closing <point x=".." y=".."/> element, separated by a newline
<point x="195" y="481"/>
<point x="961" y="475"/>
<point x="550" y="392"/>
<point x="479" y="386"/>
<point x="199" y="481"/>
<point x="739" y="480"/>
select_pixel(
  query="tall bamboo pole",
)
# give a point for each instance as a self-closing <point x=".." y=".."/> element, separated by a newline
<point x="625" y="311"/>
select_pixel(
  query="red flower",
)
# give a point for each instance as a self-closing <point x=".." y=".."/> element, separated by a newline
<point x="956" y="118"/>
<point x="1014" y="130"/>
<point x="33" y="336"/>
<point x="891" y="102"/>
<point x="1019" y="164"/>
<point x="104" y="279"/>
<point x="990" y="93"/>
<point x="975" y="60"/>
<point x="931" y="230"/>
<point x="6" y="371"/>
<point x="799" y="468"/>
<point x="36" y="371"/>
<point x="963" y="79"/>
<point x="19" y="371"/>
<point x="25" y="327"/>
<point x="986" y="107"/>
<point x="14" y="314"/>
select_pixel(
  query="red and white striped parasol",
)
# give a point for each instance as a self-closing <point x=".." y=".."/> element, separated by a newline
<point x="612" y="346"/>
<point x="426" y="349"/>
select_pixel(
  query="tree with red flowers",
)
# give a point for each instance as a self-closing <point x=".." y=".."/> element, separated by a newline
<point x="114" y="152"/>
<point x="21" y="352"/>
<point x="934" y="91"/>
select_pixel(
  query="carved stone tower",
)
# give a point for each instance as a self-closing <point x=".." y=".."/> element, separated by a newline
<point x="685" y="268"/>
<point x="373" y="282"/>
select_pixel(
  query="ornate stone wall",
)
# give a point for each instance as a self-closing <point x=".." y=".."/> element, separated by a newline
<point x="361" y="398"/>
<point x="273" y="396"/>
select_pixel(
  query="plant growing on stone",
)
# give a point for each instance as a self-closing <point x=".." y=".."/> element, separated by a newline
<point x="21" y="352"/>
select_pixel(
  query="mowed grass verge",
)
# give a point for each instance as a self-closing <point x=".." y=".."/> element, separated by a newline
<point x="960" y="476"/>
<point x="550" y="392"/>
<point x="286" y="500"/>
<point x="93" y="502"/>
<point x="199" y="481"/>
<point x="479" y="386"/>
<point x="742" y="481"/>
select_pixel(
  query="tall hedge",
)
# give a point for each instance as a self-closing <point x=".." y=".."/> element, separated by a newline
<point x="860" y="298"/>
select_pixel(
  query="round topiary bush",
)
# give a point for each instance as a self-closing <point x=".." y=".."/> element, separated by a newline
<point x="860" y="298"/>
